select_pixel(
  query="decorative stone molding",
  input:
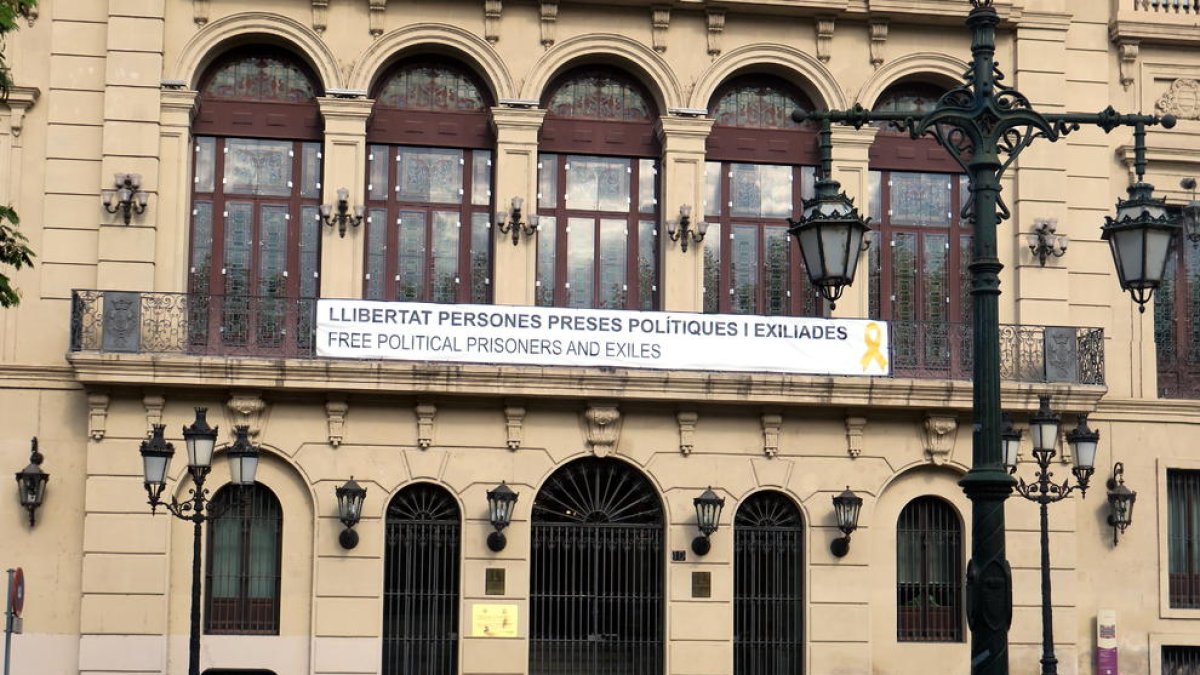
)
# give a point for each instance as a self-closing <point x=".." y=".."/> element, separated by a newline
<point x="154" y="401"/>
<point x="854" y="435"/>
<point x="772" y="423"/>
<point x="200" y="12"/>
<point x="603" y="427"/>
<point x="549" y="12"/>
<point x="879" y="35"/>
<point x="19" y="101"/>
<point x="375" y="16"/>
<point x="660" y="20"/>
<point x="491" y="20"/>
<point x="336" y="408"/>
<point x="247" y="408"/>
<point x="320" y="10"/>
<point x="425" y="414"/>
<point x="687" y="431"/>
<point x="514" y="425"/>
<point x="940" y="432"/>
<point x="97" y="415"/>
<point x="1182" y="99"/>
<point x="824" y="26"/>
<point x="1127" y="53"/>
<point x="716" y="26"/>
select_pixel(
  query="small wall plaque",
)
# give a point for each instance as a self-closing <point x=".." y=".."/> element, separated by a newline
<point x="494" y="621"/>
<point x="701" y="584"/>
<point x="678" y="556"/>
<point x="493" y="582"/>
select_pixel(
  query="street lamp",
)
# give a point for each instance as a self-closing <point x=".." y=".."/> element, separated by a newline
<point x="1043" y="428"/>
<point x="984" y="125"/>
<point x="200" y="440"/>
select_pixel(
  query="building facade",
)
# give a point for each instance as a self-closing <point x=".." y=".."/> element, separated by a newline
<point x="242" y="124"/>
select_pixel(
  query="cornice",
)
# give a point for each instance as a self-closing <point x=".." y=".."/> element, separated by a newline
<point x="33" y="376"/>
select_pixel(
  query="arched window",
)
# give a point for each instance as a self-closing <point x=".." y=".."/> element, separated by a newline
<point x="255" y="231"/>
<point x="429" y="186"/>
<point x="598" y="194"/>
<point x="245" y="544"/>
<point x="768" y="586"/>
<point x="760" y="167"/>
<point x="929" y="572"/>
<point x="596" y="587"/>
<point x="1177" y="324"/>
<point x="918" y="260"/>
<point x="420" y="582"/>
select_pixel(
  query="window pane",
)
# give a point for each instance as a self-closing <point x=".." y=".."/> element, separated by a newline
<point x="273" y="251"/>
<point x="647" y="180"/>
<point x="310" y="252"/>
<point x="377" y="229"/>
<point x="875" y="192"/>
<point x="759" y="190"/>
<point x="647" y="264"/>
<point x="547" y="181"/>
<point x="238" y="242"/>
<point x="712" y="191"/>
<point x="744" y="269"/>
<point x="261" y="583"/>
<point x="760" y="103"/>
<point x="613" y="257"/>
<point x="777" y="272"/>
<point x="310" y="180"/>
<point x="201" y="247"/>
<point x="581" y="257"/>
<point x="712" y="269"/>
<point x="226" y="555"/>
<point x="377" y="181"/>
<point x="598" y="183"/>
<point x="445" y="256"/>
<point x="546" y="253"/>
<point x="205" y="164"/>
<point x="904" y="277"/>
<point x="481" y="177"/>
<point x="920" y="199"/>
<point x="481" y="263"/>
<point x="274" y="77"/>
<point x="410" y="256"/>
<point x="599" y="95"/>
<point x="432" y="87"/>
<point x="429" y="175"/>
<point x="259" y="167"/>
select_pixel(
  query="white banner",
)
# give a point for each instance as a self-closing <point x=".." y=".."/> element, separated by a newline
<point x="547" y="336"/>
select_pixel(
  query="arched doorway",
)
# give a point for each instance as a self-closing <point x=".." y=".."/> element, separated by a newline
<point x="768" y="582"/>
<point x="596" y="588"/>
<point x="420" y="582"/>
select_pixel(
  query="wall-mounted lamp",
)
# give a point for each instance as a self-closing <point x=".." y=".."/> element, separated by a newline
<point x="31" y="483"/>
<point x="1044" y="242"/>
<point x="127" y="197"/>
<point x="1190" y="214"/>
<point x="500" y="509"/>
<point x="1120" y="502"/>
<point x="511" y="221"/>
<point x="342" y="217"/>
<point x="682" y="231"/>
<point x="708" y="517"/>
<point x="350" y="498"/>
<point x="845" y="507"/>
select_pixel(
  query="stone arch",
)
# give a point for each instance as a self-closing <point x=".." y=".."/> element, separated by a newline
<point x="939" y="68"/>
<point x="237" y="29"/>
<point x="638" y="60"/>
<point x="794" y="65"/>
<point x="474" y="53"/>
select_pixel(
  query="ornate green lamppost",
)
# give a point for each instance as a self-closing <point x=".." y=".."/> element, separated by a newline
<point x="985" y="125"/>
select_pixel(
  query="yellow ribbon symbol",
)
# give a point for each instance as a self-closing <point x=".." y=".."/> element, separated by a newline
<point x="873" y="336"/>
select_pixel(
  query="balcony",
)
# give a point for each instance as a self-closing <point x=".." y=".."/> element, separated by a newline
<point x="269" y="328"/>
<point x="1156" y="21"/>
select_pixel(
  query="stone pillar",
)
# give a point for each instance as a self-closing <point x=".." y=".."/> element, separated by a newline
<point x="177" y="110"/>
<point x="682" y="274"/>
<point x="851" y="168"/>
<point x="515" y="167"/>
<point x="344" y="165"/>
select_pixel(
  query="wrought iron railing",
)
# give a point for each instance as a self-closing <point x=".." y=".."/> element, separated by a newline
<point x="213" y="325"/>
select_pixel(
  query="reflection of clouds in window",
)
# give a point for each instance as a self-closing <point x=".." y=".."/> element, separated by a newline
<point x="598" y="183"/>
<point x="760" y="190"/>
<point x="258" y="167"/>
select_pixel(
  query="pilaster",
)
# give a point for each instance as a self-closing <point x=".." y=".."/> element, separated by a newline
<point x="344" y="163"/>
<point x="515" y="168"/>
<point x="177" y="110"/>
<point x="683" y="142"/>
<point x="851" y="150"/>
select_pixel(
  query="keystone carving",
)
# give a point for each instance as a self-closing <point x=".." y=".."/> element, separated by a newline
<point x="97" y="416"/>
<point x="514" y="421"/>
<point x="716" y="26"/>
<point x="319" y="12"/>
<point x="940" y="432"/>
<point x="375" y="16"/>
<point x="772" y="423"/>
<point x="854" y="435"/>
<point x="824" y="28"/>
<point x="660" y="20"/>
<point x="425" y="413"/>
<point x="879" y="35"/>
<point x="549" y="11"/>
<point x="1182" y="100"/>
<point x="200" y="12"/>
<point x="491" y="20"/>
<point x="603" y="428"/>
<point x="154" y="402"/>
<point x="687" y="431"/>
<point x="247" y="408"/>
<point x="336" y="408"/>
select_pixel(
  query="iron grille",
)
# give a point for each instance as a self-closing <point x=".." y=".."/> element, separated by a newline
<point x="929" y="572"/>
<point x="244" y="547"/>
<point x="1180" y="660"/>
<point x="1183" y="538"/>
<point x="768" y="580"/>
<point x="596" y="591"/>
<point x="420" y="596"/>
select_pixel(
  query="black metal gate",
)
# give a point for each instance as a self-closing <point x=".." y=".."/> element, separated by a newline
<point x="597" y="573"/>
<point x="1180" y="660"/>
<point x="929" y="572"/>
<point x="420" y="595"/>
<point x="768" y="581"/>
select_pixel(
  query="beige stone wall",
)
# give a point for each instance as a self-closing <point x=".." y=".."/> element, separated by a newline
<point x="108" y="583"/>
